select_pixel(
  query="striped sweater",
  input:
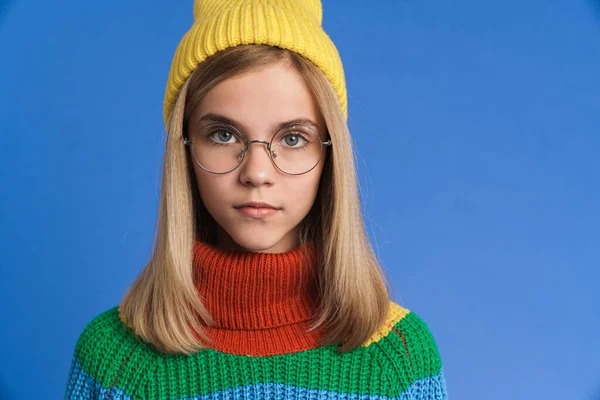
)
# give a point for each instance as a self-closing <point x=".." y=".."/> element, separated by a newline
<point x="260" y="348"/>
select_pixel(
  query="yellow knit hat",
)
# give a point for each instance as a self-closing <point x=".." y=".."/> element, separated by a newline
<point x="290" y="24"/>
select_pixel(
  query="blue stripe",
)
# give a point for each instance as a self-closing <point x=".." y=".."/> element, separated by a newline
<point x="82" y="386"/>
<point x="430" y="388"/>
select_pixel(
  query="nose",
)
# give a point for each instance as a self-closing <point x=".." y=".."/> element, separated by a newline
<point x="257" y="168"/>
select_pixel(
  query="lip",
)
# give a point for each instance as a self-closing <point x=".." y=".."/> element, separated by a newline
<point x="257" y="209"/>
<point x="257" y="204"/>
<point x="257" y="212"/>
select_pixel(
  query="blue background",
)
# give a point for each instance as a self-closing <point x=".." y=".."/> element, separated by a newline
<point x="476" y="126"/>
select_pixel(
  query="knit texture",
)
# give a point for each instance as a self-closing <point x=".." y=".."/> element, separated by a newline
<point x="261" y="303"/>
<point x="290" y="24"/>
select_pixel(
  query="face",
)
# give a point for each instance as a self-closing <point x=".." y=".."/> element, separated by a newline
<point x="258" y="101"/>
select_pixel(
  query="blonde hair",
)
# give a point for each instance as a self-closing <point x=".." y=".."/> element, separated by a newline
<point x="162" y="305"/>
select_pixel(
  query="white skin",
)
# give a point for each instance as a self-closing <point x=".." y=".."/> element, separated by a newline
<point x="258" y="101"/>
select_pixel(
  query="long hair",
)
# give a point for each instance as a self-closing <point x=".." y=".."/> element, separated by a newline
<point x="163" y="307"/>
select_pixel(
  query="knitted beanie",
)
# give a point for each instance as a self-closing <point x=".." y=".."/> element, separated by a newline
<point x="290" y="24"/>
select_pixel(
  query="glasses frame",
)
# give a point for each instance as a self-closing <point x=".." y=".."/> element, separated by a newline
<point x="247" y="143"/>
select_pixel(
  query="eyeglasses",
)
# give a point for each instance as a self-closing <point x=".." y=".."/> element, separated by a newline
<point x="220" y="148"/>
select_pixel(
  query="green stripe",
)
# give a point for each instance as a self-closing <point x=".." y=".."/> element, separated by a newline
<point x="106" y="342"/>
<point x="103" y="346"/>
<point x="424" y="358"/>
<point x="316" y="368"/>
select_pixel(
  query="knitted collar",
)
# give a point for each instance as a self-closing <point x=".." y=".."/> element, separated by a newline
<point x="262" y="303"/>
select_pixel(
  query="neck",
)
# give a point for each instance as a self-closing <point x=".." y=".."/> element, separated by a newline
<point x="262" y="303"/>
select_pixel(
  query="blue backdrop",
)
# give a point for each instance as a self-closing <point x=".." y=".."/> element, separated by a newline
<point x="476" y="126"/>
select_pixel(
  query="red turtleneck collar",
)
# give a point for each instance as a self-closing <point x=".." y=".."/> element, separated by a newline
<point x="262" y="303"/>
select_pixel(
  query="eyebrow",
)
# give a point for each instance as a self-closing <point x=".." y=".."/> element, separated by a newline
<point x="223" y="119"/>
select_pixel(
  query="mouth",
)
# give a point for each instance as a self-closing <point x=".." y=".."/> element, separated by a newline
<point x="256" y="212"/>
<point x="256" y="204"/>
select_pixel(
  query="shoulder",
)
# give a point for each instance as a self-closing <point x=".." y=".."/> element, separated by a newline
<point x="101" y="334"/>
<point x="106" y="336"/>
<point x="105" y="350"/>
<point x="104" y="321"/>
<point x="409" y="352"/>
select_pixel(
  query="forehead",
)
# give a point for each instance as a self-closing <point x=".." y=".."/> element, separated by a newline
<point x="260" y="99"/>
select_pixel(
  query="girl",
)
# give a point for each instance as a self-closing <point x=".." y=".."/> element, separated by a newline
<point x="262" y="283"/>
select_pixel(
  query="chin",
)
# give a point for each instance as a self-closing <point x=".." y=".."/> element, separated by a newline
<point x="257" y="245"/>
<point x="255" y="240"/>
<point x="264" y="239"/>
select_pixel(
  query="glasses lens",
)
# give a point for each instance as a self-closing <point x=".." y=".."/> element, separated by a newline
<point x="296" y="150"/>
<point x="217" y="148"/>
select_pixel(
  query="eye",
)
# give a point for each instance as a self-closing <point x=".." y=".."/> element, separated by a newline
<point x="295" y="140"/>
<point x="221" y="136"/>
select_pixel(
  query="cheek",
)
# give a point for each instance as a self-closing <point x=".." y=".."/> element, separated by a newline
<point x="210" y="189"/>
<point x="300" y="195"/>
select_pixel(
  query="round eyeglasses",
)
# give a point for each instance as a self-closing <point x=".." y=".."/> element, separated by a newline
<point x="220" y="148"/>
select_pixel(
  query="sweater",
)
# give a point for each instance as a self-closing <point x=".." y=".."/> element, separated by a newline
<point x="260" y="347"/>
